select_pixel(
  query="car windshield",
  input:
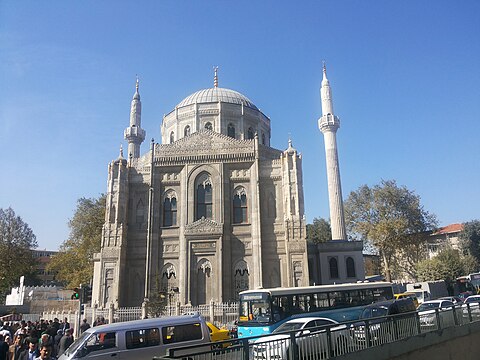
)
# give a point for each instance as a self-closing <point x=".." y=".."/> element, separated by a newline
<point x="472" y="300"/>
<point x="428" y="306"/>
<point x="77" y="343"/>
<point x="288" y="326"/>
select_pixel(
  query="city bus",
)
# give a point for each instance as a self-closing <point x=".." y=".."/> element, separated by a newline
<point x="261" y="311"/>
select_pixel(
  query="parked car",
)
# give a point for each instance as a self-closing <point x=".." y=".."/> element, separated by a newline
<point x="140" y="339"/>
<point x="408" y="294"/>
<point x="428" y="317"/>
<point x="473" y="303"/>
<point x="310" y="336"/>
<point x="376" y="320"/>
<point x="454" y="299"/>
<point x="217" y="334"/>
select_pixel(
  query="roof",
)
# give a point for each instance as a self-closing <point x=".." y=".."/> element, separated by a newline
<point x="147" y="322"/>
<point x="217" y="94"/>
<point x="452" y="228"/>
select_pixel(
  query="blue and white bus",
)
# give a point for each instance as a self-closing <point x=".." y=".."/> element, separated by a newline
<point x="263" y="310"/>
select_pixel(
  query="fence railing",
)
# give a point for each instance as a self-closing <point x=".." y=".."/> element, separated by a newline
<point x="328" y="342"/>
<point x="221" y="314"/>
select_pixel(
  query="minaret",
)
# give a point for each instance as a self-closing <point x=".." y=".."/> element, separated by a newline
<point x="328" y="125"/>
<point x="134" y="134"/>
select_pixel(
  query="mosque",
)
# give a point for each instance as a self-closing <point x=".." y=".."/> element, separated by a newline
<point x="213" y="209"/>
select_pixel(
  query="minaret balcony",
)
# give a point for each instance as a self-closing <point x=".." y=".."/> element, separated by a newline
<point x="328" y="122"/>
<point x="134" y="132"/>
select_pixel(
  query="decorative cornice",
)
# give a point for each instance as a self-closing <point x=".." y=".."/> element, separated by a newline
<point x="204" y="226"/>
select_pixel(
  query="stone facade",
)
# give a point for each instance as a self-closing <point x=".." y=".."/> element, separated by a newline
<point x="209" y="212"/>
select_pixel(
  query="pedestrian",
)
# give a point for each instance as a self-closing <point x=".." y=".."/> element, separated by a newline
<point x="16" y="349"/>
<point x="85" y="325"/>
<point x="56" y="342"/>
<point x="3" y="348"/>
<point x="65" y="342"/>
<point x="65" y="325"/>
<point x="32" y="352"/>
<point x="45" y="353"/>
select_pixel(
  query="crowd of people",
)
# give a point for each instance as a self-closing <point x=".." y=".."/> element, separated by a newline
<point x="40" y="340"/>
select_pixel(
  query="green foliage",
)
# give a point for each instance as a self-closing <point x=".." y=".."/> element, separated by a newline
<point x="470" y="238"/>
<point x="392" y="219"/>
<point x="16" y="242"/>
<point x="74" y="262"/>
<point x="319" y="231"/>
<point x="447" y="265"/>
<point x="158" y="301"/>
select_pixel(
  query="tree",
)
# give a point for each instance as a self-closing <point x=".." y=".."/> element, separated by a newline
<point x="319" y="231"/>
<point x="470" y="239"/>
<point x="16" y="242"/>
<point x="447" y="265"/>
<point x="391" y="218"/>
<point x="74" y="262"/>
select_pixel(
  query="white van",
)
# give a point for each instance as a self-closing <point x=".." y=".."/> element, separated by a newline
<point x="139" y="339"/>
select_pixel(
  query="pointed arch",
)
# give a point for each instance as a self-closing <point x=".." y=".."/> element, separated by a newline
<point x="140" y="213"/>
<point x="172" y="137"/>
<point x="204" y="281"/>
<point x="186" y="130"/>
<point x="168" y="278"/>
<point x="240" y="277"/>
<point x="203" y="196"/>
<point x="240" y="209"/>
<point x="209" y="126"/>
<point x="169" y="208"/>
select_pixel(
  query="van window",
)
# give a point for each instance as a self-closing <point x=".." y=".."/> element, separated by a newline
<point x="179" y="333"/>
<point x="142" y="338"/>
<point x="101" y="341"/>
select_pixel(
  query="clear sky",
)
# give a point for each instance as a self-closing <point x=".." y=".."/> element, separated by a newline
<point x="404" y="74"/>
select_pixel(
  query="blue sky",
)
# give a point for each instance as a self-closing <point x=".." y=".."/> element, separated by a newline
<point x="405" y="78"/>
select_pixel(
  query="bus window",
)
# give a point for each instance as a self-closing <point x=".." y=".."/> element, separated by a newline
<point x="255" y="308"/>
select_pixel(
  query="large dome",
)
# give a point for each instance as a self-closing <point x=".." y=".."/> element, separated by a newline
<point x="217" y="94"/>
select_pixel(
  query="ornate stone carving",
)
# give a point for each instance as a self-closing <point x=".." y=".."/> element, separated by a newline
<point x="296" y="247"/>
<point x="204" y="226"/>
<point x="204" y="142"/>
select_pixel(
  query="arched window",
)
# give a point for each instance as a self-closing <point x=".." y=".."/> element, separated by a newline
<point x="169" y="278"/>
<point x="333" y="268"/>
<point x="350" y="267"/>
<point x="263" y="139"/>
<point x="240" y="277"/>
<point x="186" y="131"/>
<point x="250" y="133"/>
<point x="231" y="130"/>
<point x="240" y="209"/>
<point x="204" y="197"/>
<point x="172" y="137"/>
<point x="208" y="126"/>
<point x="140" y="213"/>
<point x="170" y="209"/>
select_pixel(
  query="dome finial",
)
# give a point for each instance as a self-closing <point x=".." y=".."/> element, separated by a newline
<point x="120" y="156"/>
<point x="324" y="69"/>
<point x="215" y="77"/>
<point x="137" y="83"/>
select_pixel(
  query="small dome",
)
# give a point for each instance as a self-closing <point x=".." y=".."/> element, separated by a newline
<point x="215" y="95"/>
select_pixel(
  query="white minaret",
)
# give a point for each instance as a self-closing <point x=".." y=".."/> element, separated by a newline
<point x="328" y="125"/>
<point x="134" y="134"/>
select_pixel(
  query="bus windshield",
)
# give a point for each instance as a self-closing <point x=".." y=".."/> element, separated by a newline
<point x="255" y="308"/>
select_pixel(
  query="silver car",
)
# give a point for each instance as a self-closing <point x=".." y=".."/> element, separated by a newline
<point x="310" y="336"/>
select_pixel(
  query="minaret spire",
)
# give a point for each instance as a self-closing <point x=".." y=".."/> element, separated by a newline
<point x="215" y="77"/>
<point x="134" y="134"/>
<point x="328" y="125"/>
